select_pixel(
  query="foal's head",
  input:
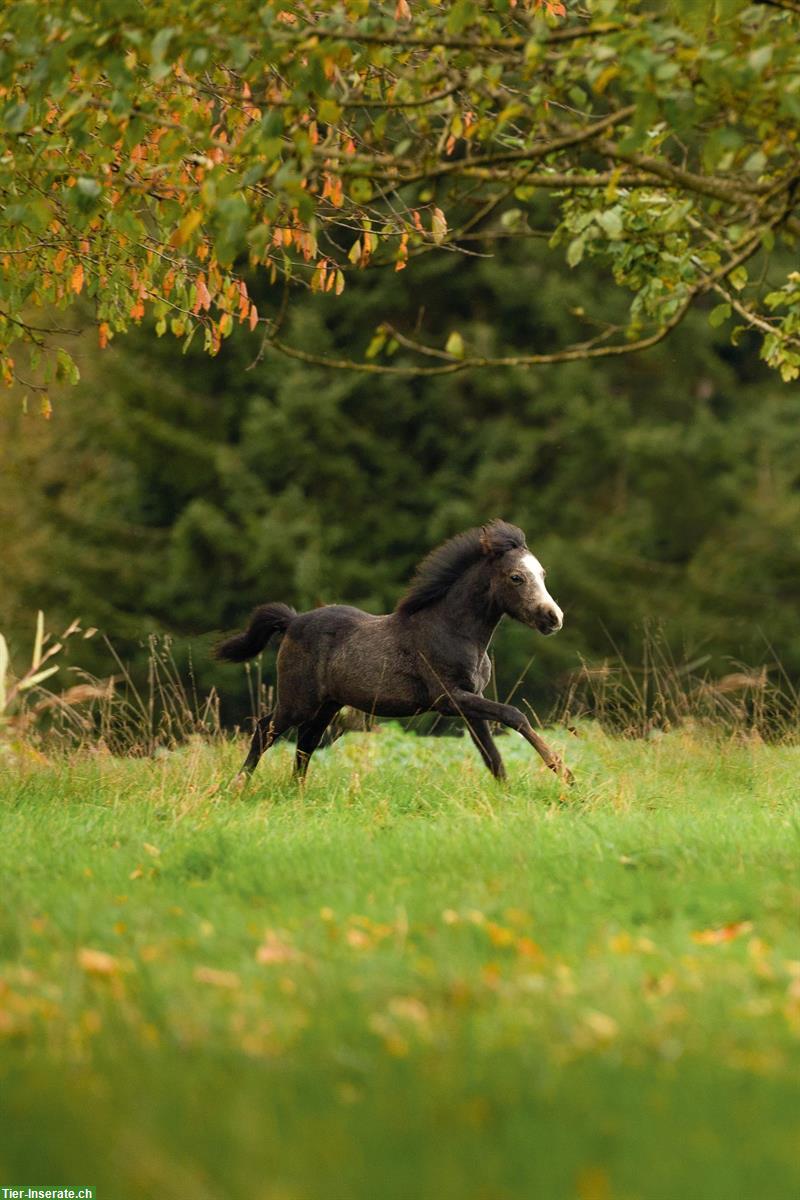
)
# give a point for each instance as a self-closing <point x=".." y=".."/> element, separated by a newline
<point x="518" y="586"/>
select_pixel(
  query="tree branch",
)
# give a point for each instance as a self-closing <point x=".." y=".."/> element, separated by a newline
<point x="577" y="353"/>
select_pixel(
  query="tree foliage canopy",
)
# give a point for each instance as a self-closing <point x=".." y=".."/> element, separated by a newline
<point x="155" y="153"/>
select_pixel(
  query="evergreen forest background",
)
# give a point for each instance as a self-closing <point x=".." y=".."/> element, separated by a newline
<point x="171" y="492"/>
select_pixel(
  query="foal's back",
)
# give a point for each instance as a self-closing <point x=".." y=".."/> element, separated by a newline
<point x="350" y="657"/>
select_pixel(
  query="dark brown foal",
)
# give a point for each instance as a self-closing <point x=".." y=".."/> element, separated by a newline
<point x="429" y="655"/>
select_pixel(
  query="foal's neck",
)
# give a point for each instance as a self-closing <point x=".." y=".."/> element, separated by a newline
<point x="469" y="608"/>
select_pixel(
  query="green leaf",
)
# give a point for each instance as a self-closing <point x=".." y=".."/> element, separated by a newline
<point x="14" y="117"/>
<point x="575" y="251"/>
<point x="361" y="189"/>
<point x="719" y="314"/>
<point x="455" y="344"/>
<point x="611" y="223"/>
<point x="738" y="278"/>
<point x="329" y="111"/>
<point x="66" y="367"/>
<point x="89" y="187"/>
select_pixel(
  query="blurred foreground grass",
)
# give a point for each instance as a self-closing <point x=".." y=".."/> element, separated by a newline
<point x="404" y="981"/>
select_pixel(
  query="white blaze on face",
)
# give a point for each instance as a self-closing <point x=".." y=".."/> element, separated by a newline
<point x="535" y="569"/>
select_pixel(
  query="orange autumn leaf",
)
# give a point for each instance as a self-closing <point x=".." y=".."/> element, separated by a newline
<point x="76" y="279"/>
<point x="102" y="334"/>
<point x="253" y="316"/>
<point x="203" y="295"/>
<point x="727" y="933"/>
<point x="528" y="948"/>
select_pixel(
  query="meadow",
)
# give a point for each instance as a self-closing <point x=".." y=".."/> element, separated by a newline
<point x="404" y="980"/>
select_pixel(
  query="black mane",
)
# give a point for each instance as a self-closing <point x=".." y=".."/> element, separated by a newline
<point x="440" y="569"/>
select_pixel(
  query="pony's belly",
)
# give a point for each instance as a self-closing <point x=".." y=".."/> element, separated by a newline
<point x="380" y="705"/>
<point x="394" y="709"/>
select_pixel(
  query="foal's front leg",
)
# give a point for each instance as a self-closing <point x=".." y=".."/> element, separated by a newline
<point x="480" y="733"/>
<point x="460" y="702"/>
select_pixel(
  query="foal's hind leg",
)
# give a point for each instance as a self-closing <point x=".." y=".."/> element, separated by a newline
<point x="481" y="735"/>
<point x="268" y="730"/>
<point x="309" y="736"/>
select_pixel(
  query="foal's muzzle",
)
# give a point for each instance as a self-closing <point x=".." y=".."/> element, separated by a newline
<point x="548" y="620"/>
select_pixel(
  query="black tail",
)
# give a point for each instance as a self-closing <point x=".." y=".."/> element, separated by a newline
<point x="266" y="620"/>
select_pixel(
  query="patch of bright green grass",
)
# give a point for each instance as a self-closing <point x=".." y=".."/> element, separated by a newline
<point x="404" y="981"/>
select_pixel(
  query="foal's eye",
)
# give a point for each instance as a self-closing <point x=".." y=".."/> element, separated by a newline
<point x="516" y="579"/>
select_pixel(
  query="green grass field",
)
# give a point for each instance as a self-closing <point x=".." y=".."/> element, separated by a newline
<point x="404" y="982"/>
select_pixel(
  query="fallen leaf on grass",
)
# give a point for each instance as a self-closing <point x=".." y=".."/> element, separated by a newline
<point x="602" y="1025"/>
<point x="593" y="1184"/>
<point x="499" y="935"/>
<point x="409" y="1008"/>
<point x="275" y="950"/>
<point x="624" y="943"/>
<point x="713" y="937"/>
<point x="221" y="979"/>
<point x="528" y="948"/>
<point x="98" y="962"/>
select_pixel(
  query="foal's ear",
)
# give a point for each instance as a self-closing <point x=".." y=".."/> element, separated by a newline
<point x="498" y="536"/>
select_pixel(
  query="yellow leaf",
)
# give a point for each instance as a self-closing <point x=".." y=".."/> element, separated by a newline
<point x="455" y="344"/>
<point x="186" y="228"/>
<point x="97" y="962"/>
<point x="602" y="1026"/>
<point x="593" y="1184"/>
<point x="604" y="78"/>
<point x="499" y="935"/>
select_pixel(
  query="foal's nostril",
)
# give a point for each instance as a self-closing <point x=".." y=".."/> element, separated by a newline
<point x="550" y="619"/>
